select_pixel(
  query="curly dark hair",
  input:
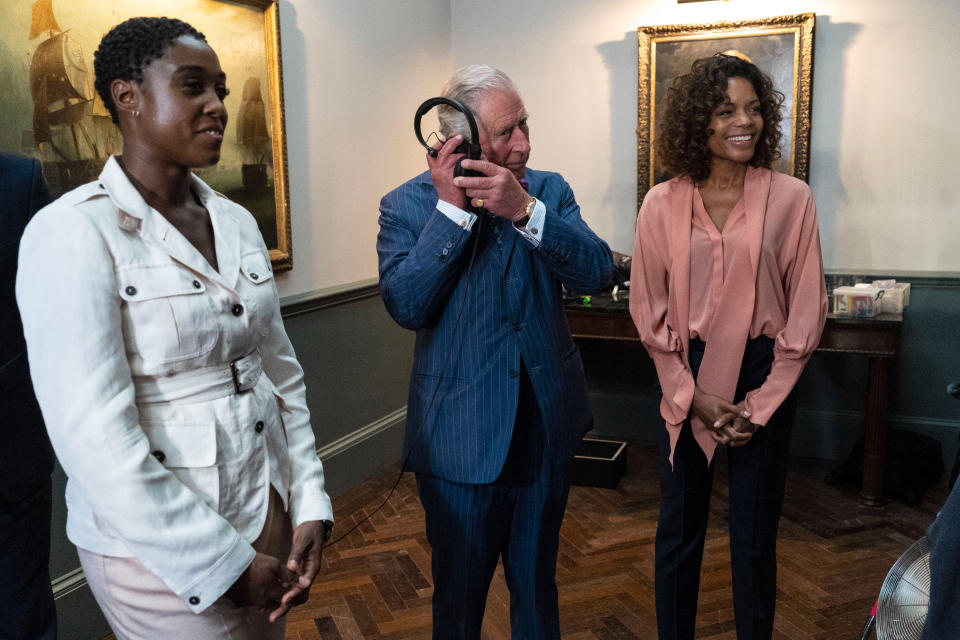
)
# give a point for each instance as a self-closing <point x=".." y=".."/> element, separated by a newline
<point x="682" y="137"/>
<point x="129" y="47"/>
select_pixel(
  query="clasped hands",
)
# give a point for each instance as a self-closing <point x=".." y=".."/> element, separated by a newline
<point x="497" y="190"/>
<point x="729" y="424"/>
<point x="274" y="587"/>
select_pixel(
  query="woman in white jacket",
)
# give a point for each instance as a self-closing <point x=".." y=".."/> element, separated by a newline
<point x="170" y="390"/>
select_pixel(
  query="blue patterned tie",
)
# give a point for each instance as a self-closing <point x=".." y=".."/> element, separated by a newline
<point x="495" y="228"/>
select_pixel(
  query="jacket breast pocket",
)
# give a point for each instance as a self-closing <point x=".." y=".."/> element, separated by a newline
<point x="167" y="315"/>
<point x="189" y="451"/>
<point x="256" y="288"/>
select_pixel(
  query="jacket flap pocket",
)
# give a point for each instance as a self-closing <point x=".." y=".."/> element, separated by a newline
<point x="156" y="281"/>
<point x="256" y="267"/>
<point x="183" y="445"/>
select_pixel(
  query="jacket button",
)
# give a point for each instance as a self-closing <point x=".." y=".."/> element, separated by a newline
<point x="194" y="600"/>
<point x="159" y="455"/>
<point x="254" y="276"/>
<point x="196" y="284"/>
<point x="237" y="310"/>
<point x="513" y="373"/>
<point x="259" y="426"/>
<point x="131" y="290"/>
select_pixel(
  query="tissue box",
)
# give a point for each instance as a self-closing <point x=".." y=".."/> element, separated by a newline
<point x="863" y="301"/>
<point x="896" y="295"/>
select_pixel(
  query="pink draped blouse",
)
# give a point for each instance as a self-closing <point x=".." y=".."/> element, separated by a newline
<point x="761" y="275"/>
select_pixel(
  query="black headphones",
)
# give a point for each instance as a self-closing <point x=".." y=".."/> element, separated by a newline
<point x="471" y="148"/>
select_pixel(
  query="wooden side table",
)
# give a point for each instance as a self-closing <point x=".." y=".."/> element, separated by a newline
<point x="876" y="338"/>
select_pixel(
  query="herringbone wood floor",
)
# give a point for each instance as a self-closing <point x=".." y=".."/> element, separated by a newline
<point x="832" y="560"/>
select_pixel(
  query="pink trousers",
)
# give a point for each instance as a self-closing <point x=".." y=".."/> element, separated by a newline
<point x="139" y="606"/>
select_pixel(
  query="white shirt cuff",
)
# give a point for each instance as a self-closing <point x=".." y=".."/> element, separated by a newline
<point x="533" y="232"/>
<point x="461" y="218"/>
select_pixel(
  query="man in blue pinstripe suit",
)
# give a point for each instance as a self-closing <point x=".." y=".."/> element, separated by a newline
<point x="498" y="400"/>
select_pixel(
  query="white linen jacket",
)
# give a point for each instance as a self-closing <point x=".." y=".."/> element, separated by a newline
<point x="130" y="337"/>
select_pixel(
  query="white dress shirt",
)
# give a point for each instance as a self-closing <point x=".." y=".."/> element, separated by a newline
<point x="131" y="335"/>
<point x="532" y="232"/>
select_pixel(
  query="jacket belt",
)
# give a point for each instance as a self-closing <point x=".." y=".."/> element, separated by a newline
<point x="203" y="384"/>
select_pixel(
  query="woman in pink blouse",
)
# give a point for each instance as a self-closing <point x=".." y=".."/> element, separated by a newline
<point x="729" y="300"/>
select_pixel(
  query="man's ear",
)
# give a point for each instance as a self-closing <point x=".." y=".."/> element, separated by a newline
<point x="126" y="95"/>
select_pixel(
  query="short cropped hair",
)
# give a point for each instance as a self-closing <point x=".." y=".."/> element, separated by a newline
<point x="129" y="47"/>
<point x="467" y="85"/>
<point x="681" y="143"/>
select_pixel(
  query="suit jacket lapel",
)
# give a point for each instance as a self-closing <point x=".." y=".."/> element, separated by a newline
<point x="133" y="213"/>
<point x="226" y="233"/>
<point x="158" y="231"/>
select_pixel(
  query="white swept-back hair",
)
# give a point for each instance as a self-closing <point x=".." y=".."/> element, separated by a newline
<point x="468" y="85"/>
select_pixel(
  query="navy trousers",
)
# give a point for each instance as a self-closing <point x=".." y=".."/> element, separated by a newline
<point x="943" y="615"/>
<point x="517" y="517"/>
<point x="757" y="477"/>
<point x="26" y="601"/>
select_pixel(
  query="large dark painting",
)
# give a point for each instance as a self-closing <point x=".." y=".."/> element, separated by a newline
<point x="50" y="110"/>
<point x="783" y="49"/>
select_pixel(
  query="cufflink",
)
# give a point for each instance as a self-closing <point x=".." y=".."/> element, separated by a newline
<point x="327" y="530"/>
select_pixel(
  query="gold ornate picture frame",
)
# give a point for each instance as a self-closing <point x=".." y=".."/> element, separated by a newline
<point x="781" y="46"/>
<point x="51" y="111"/>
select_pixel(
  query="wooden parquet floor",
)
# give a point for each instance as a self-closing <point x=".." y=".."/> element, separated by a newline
<point x="832" y="560"/>
<point x="833" y="557"/>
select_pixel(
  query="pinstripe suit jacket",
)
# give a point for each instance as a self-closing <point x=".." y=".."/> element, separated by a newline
<point x="510" y="310"/>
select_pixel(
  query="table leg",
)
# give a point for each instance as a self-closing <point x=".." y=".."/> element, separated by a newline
<point x="875" y="434"/>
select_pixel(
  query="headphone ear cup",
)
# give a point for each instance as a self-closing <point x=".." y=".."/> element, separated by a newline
<point x="472" y="149"/>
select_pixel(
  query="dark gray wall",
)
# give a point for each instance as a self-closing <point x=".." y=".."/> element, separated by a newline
<point x="832" y="389"/>
<point x="356" y="363"/>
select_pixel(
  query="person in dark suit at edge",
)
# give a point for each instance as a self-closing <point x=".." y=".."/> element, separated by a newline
<point x="498" y="399"/>
<point x="26" y="458"/>
<point x="943" y="537"/>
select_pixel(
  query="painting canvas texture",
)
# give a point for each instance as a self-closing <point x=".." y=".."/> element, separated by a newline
<point x="773" y="54"/>
<point x="781" y="46"/>
<point x="51" y="112"/>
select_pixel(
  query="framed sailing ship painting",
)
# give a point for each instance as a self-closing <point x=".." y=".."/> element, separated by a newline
<point x="51" y="112"/>
<point x="781" y="46"/>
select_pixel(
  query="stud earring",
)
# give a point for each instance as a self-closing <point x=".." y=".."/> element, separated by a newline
<point x="136" y="114"/>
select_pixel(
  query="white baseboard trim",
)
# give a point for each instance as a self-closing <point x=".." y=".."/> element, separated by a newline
<point x="366" y="432"/>
<point x="68" y="583"/>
